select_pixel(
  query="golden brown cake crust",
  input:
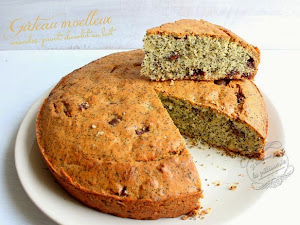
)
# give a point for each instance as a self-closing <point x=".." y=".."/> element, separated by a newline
<point x="187" y="27"/>
<point x="108" y="140"/>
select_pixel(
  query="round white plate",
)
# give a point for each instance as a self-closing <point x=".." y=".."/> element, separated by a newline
<point x="225" y="204"/>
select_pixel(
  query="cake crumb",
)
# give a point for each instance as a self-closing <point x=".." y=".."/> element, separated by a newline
<point x="205" y="211"/>
<point x="216" y="183"/>
<point x="279" y="153"/>
<point x="224" y="169"/>
<point x="196" y="213"/>
<point x="184" y="217"/>
<point x="232" y="187"/>
<point x="241" y="175"/>
<point x="201" y="164"/>
<point x="94" y="126"/>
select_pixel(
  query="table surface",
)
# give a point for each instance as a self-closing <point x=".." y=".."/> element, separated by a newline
<point x="25" y="75"/>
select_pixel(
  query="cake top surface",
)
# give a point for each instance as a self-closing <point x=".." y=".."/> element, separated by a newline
<point x="185" y="27"/>
<point x="106" y="117"/>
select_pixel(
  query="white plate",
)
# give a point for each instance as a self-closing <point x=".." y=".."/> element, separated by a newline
<point x="225" y="204"/>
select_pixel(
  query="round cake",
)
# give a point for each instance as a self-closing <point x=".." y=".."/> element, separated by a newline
<point x="108" y="136"/>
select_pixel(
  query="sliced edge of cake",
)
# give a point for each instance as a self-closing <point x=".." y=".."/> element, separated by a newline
<point x="229" y="115"/>
<point x="197" y="50"/>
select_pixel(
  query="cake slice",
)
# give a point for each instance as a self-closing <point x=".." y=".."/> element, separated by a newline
<point x="197" y="50"/>
<point x="227" y="114"/>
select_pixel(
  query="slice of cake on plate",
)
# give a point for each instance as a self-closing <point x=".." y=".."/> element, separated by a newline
<point x="197" y="50"/>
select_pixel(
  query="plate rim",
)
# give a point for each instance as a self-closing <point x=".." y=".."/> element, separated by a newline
<point x="17" y="153"/>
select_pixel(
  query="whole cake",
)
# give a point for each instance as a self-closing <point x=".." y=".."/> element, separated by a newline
<point x="197" y="50"/>
<point x="109" y="136"/>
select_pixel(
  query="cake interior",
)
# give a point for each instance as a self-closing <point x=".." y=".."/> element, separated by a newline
<point x="215" y="129"/>
<point x="195" y="57"/>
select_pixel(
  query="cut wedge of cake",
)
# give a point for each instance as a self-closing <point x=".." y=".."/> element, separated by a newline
<point x="227" y="114"/>
<point x="197" y="50"/>
<point x="109" y="136"/>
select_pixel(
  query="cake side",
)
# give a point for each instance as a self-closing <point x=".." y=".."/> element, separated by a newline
<point x="121" y="205"/>
<point x="197" y="50"/>
<point x="108" y="140"/>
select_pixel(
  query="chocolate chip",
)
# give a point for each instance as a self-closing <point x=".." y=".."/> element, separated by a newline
<point x="115" y="120"/>
<point x="67" y="109"/>
<point x="55" y="108"/>
<point x="137" y="64"/>
<point x="174" y="57"/>
<point x="142" y="131"/>
<point x="235" y="130"/>
<point x="222" y="82"/>
<point x="251" y="63"/>
<point x="84" y="105"/>
<point x="247" y="75"/>
<point x="173" y="152"/>
<point x="232" y="74"/>
<point x="114" y="68"/>
<point x="161" y="168"/>
<point x="240" y="97"/>
<point x="124" y="191"/>
<point x="198" y="72"/>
